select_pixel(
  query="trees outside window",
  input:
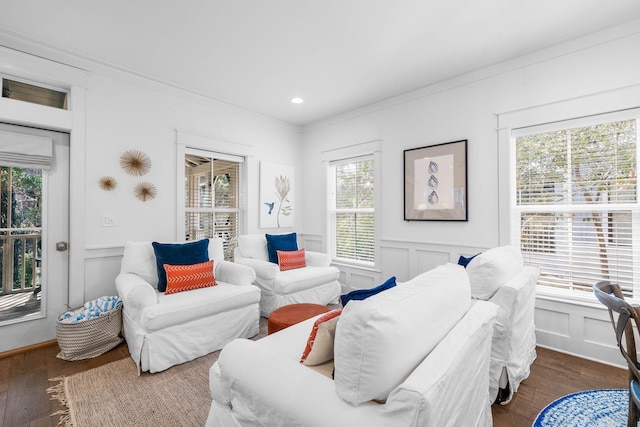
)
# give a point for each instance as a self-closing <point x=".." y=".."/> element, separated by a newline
<point x="20" y="228"/>
<point x="352" y="213"/>
<point x="576" y="203"/>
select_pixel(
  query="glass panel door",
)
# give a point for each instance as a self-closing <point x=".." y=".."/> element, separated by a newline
<point x="34" y="215"/>
<point x="20" y="241"/>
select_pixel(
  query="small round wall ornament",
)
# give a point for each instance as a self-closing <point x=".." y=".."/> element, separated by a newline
<point x="135" y="162"/>
<point x="107" y="183"/>
<point x="145" y="191"/>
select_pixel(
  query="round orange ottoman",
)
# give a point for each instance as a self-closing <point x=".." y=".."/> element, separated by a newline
<point x="288" y="315"/>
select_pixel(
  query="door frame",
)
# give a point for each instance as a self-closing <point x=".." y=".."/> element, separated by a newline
<point x="71" y="121"/>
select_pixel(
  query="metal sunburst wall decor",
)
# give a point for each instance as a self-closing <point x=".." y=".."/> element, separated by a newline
<point x="145" y="191"/>
<point x="135" y="162"/>
<point x="108" y="183"/>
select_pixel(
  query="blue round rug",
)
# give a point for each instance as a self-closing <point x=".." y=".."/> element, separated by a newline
<point x="601" y="408"/>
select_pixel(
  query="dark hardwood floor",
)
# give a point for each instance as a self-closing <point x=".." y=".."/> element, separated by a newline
<point x="24" y="379"/>
<point x="554" y="375"/>
<point x="25" y="402"/>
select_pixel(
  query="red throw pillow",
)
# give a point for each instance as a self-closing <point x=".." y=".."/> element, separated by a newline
<point x="319" y="348"/>
<point x="187" y="277"/>
<point x="288" y="260"/>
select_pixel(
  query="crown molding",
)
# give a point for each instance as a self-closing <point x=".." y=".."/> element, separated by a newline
<point x="29" y="46"/>
<point x="603" y="37"/>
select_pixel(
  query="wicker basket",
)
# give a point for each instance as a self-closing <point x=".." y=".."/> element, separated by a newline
<point x="91" y="337"/>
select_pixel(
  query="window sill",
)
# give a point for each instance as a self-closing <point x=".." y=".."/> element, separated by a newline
<point x="575" y="298"/>
<point x="355" y="266"/>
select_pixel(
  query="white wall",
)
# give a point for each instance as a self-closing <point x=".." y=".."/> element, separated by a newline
<point x="123" y="115"/>
<point x="467" y="107"/>
<point x="122" y="112"/>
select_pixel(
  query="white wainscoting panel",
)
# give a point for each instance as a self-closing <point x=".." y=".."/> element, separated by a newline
<point x="395" y="262"/>
<point x="311" y="242"/>
<point x="598" y="332"/>
<point x="101" y="266"/>
<point x="581" y="329"/>
<point x="100" y="276"/>
<point x="352" y="278"/>
<point x="552" y="322"/>
<point x="428" y="260"/>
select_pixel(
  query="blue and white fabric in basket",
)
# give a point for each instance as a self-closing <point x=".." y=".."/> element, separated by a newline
<point x="91" y="309"/>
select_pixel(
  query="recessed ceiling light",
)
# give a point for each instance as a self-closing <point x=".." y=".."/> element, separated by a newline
<point x="297" y="100"/>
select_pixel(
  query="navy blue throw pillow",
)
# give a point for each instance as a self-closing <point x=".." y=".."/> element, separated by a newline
<point x="360" y="294"/>
<point x="280" y="242"/>
<point x="463" y="261"/>
<point x="178" y="254"/>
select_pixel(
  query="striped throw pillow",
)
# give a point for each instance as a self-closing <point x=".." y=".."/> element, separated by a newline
<point x="182" y="278"/>
<point x="288" y="260"/>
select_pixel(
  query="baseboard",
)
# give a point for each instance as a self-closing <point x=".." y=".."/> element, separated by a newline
<point x="28" y="348"/>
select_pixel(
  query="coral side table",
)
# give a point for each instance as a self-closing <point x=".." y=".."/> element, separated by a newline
<point x="288" y="315"/>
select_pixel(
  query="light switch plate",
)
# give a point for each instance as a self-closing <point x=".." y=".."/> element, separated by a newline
<point x="109" y="220"/>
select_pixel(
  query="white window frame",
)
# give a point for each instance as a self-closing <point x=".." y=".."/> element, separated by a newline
<point x="347" y="154"/>
<point x="214" y="209"/>
<point x="610" y="104"/>
<point x="334" y="211"/>
<point x="199" y="144"/>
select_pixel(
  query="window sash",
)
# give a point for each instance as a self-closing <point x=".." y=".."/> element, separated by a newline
<point x="352" y="215"/>
<point x="576" y="249"/>
<point x="212" y="197"/>
<point x="578" y="230"/>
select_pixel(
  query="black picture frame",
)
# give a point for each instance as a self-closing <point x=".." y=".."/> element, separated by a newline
<point x="435" y="182"/>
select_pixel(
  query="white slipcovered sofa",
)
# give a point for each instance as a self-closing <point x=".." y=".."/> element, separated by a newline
<point x="500" y="276"/>
<point x="413" y="355"/>
<point x="162" y="330"/>
<point x="316" y="283"/>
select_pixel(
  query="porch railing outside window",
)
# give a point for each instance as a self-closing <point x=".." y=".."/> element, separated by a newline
<point x="212" y="191"/>
<point x="20" y="229"/>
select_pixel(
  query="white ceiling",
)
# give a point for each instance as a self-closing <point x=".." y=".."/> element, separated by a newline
<point x="336" y="54"/>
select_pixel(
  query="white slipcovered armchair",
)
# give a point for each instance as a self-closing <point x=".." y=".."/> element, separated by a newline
<point x="316" y="283"/>
<point x="163" y="330"/>
<point x="499" y="275"/>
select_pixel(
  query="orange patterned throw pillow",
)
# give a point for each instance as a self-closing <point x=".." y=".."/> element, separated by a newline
<point x="319" y="348"/>
<point x="187" y="277"/>
<point x="289" y="260"/>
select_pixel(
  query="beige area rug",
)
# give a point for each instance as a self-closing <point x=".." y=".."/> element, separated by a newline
<point x="114" y="395"/>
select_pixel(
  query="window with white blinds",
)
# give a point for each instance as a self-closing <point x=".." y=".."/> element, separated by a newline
<point x="576" y="201"/>
<point x="351" y="212"/>
<point x="212" y="195"/>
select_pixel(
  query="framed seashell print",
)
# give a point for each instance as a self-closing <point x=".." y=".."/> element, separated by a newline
<point x="435" y="182"/>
